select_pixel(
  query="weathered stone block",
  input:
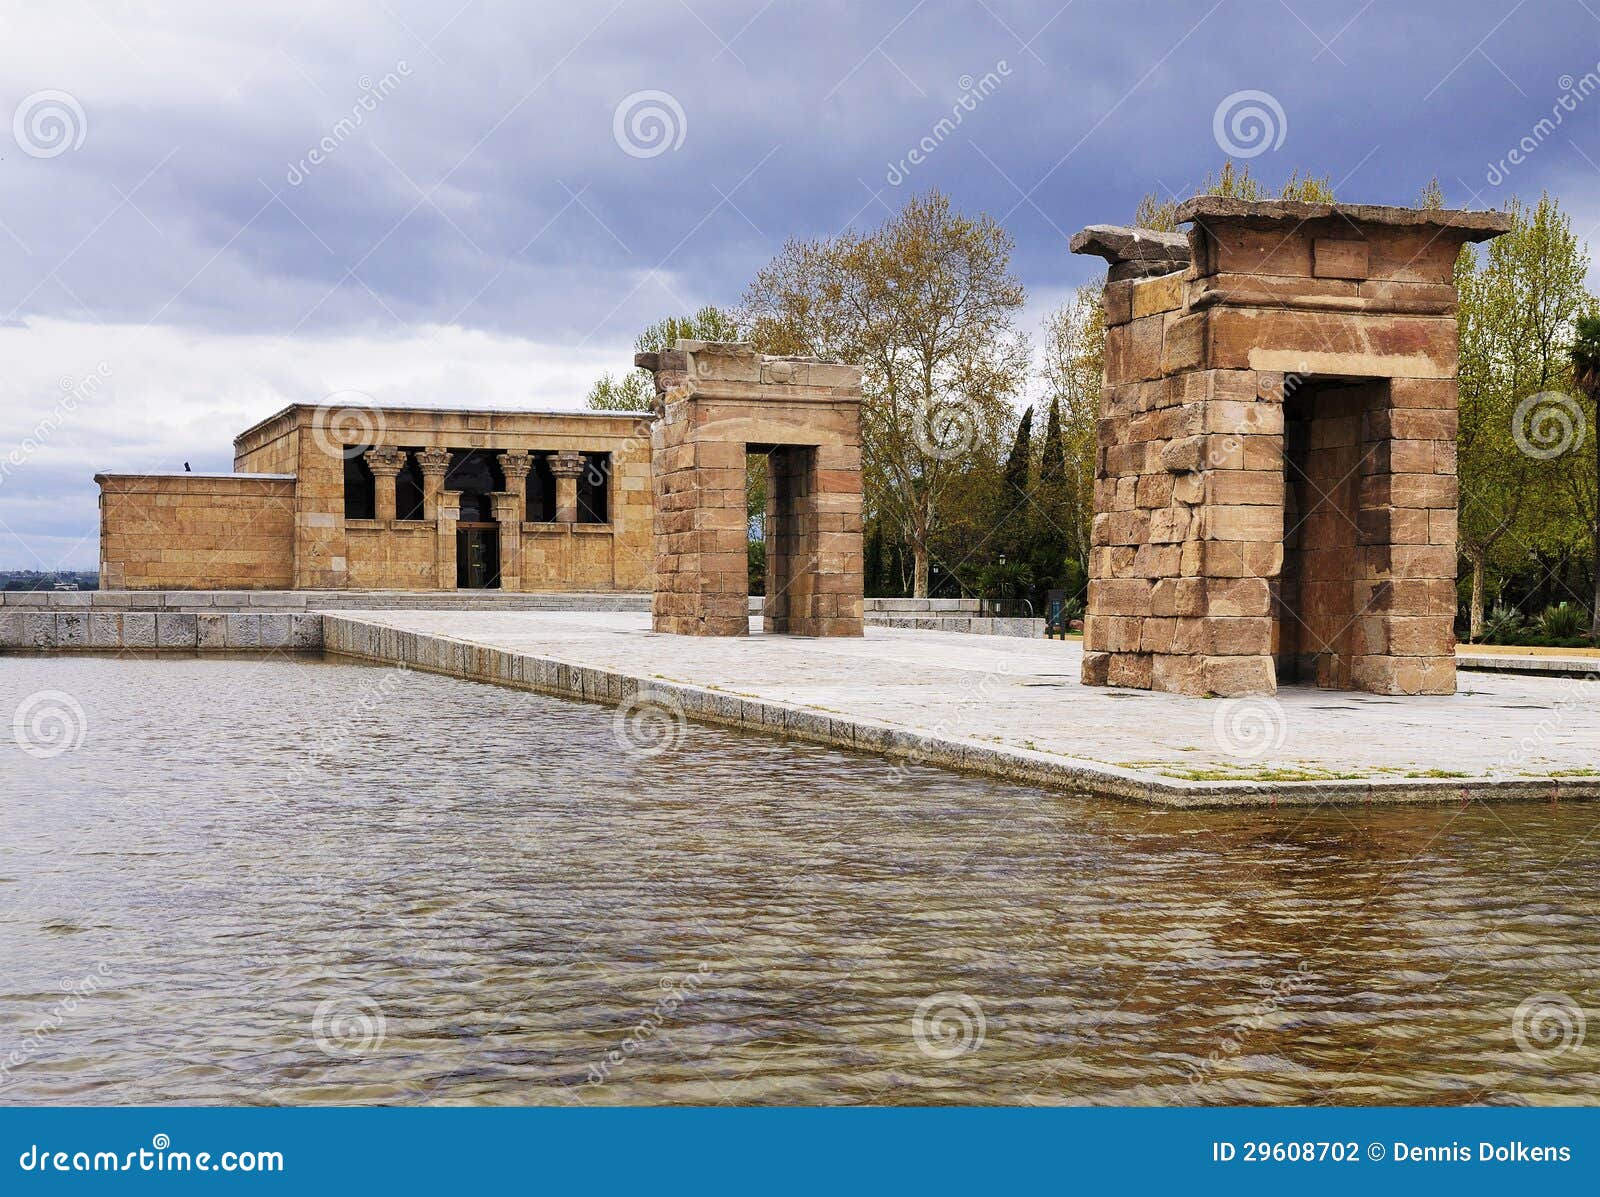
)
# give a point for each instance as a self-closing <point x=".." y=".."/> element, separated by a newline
<point x="176" y="630"/>
<point x="72" y="629"/>
<point x="211" y="630"/>
<point x="243" y="630"/>
<point x="1234" y="677"/>
<point x="1184" y="344"/>
<point x="139" y="629"/>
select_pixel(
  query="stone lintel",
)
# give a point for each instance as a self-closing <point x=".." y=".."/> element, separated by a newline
<point x="1468" y="224"/>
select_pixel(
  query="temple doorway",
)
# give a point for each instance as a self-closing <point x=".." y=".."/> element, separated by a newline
<point x="477" y="556"/>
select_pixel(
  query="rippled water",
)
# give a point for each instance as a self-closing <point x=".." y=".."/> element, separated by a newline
<point x="278" y="882"/>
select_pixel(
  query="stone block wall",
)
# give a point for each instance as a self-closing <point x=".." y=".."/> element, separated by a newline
<point x="1275" y="490"/>
<point x="718" y="403"/>
<point x="229" y="531"/>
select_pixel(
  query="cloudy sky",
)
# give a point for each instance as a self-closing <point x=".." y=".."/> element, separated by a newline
<point x="212" y="210"/>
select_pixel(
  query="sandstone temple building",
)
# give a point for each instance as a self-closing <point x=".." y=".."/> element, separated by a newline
<point x="324" y="497"/>
<point x="1275" y="481"/>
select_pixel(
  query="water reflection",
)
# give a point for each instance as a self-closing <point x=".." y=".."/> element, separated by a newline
<point x="291" y="881"/>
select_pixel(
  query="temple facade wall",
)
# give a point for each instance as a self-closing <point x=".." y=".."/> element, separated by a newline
<point x="520" y="492"/>
<point x="164" y="532"/>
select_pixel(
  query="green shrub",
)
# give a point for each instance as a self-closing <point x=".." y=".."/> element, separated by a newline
<point x="1563" y="621"/>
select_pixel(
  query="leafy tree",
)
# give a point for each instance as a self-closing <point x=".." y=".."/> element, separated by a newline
<point x="1017" y="494"/>
<point x="634" y="391"/>
<point x="1073" y="368"/>
<point x="1519" y="296"/>
<point x="926" y="306"/>
<point x="1052" y="512"/>
<point x="1586" y="373"/>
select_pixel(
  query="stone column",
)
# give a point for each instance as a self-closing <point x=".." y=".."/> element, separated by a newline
<point x="434" y="463"/>
<point x="567" y="466"/>
<point x="510" y="509"/>
<point x="385" y="465"/>
<point x="443" y="511"/>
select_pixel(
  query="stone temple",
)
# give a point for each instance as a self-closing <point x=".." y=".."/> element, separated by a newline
<point x="1275" y="479"/>
<point x="368" y="498"/>
<point x="415" y="499"/>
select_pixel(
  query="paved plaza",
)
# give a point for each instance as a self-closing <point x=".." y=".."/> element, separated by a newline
<point x="1015" y="708"/>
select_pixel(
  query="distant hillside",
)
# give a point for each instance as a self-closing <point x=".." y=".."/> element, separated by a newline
<point x="60" y="579"/>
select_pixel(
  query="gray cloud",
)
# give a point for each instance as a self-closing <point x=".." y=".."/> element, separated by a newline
<point x="473" y="177"/>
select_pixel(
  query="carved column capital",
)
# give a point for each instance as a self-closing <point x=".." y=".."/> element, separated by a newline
<point x="385" y="462"/>
<point x="433" y="461"/>
<point x="567" y="463"/>
<point x="515" y="463"/>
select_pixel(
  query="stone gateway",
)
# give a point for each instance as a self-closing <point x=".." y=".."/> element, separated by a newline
<point x="1275" y="478"/>
<point x="718" y="403"/>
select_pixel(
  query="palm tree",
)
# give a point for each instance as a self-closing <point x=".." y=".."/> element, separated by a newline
<point x="1586" y="372"/>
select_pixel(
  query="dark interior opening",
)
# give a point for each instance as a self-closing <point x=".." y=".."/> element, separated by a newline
<point x="594" y="489"/>
<point x="541" y="490"/>
<point x="476" y="475"/>
<point x="789" y="535"/>
<point x="1327" y="450"/>
<point x="360" y="493"/>
<point x="408" y="489"/>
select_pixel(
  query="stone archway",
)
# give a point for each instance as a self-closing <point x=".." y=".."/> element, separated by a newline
<point x="718" y="402"/>
<point x="1283" y="387"/>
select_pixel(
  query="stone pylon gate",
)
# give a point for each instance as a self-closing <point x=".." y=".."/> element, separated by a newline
<point x="1275" y="482"/>
<point x="717" y="403"/>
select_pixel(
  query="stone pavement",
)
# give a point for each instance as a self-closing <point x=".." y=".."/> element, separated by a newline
<point x="1015" y="709"/>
